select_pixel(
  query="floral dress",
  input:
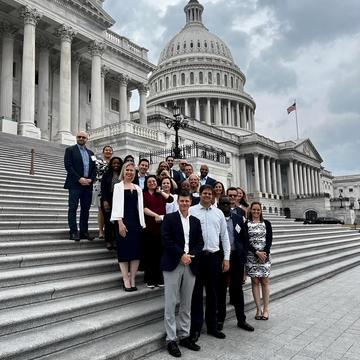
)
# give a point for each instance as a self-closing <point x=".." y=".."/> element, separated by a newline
<point x="101" y="167"/>
<point x="257" y="239"/>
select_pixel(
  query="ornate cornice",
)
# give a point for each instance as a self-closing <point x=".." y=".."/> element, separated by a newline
<point x="65" y="32"/>
<point x="104" y="71"/>
<point x="123" y="79"/>
<point x="29" y="15"/>
<point x="76" y="58"/>
<point x="96" y="48"/>
<point x="143" y="88"/>
<point x="8" y="30"/>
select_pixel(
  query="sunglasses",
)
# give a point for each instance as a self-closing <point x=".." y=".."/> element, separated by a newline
<point x="81" y="137"/>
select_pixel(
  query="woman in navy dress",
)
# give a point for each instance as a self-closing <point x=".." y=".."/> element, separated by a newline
<point x="128" y="213"/>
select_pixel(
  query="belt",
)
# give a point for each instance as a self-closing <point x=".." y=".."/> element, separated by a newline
<point x="207" y="252"/>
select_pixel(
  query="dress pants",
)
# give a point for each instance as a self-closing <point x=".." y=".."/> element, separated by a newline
<point x="153" y="252"/>
<point x="233" y="278"/>
<point x="109" y="227"/>
<point x="208" y="277"/>
<point x="179" y="283"/>
<point x="84" y="195"/>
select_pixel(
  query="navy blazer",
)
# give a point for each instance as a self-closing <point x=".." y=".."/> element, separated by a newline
<point x="210" y="181"/>
<point x="172" y="236"/>
<point x="241" y="239"/>
<point x="268" y="238"/>
<point x="75" y="168"/>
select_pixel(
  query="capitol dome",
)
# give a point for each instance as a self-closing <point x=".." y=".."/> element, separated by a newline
<point x="195" y="38"/>
<point x="196" y="70"/>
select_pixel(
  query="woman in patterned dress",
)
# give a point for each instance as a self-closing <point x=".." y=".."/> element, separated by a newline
<point x="259" y="259"/>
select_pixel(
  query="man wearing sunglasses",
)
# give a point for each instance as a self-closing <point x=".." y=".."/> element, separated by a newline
<point x="81" y="172"/>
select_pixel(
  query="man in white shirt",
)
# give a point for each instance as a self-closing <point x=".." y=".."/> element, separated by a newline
<point x="181" y="235"/>
<point x="214" y="230"/>
<point x="142" y="172"/>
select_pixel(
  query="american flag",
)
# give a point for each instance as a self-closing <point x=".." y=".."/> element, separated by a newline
<point x="291" y="108"/>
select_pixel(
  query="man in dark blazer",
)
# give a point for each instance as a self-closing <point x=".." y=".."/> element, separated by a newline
<point x="81" y="172"/>
<point x="232" y="194"/>
<point x="175" y="175"/>
<point x="204" y="178"/>
<point x="239" y="248"/>
<point x="183" y="242"/>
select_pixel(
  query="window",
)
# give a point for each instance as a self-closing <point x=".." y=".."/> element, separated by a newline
<point x="182" y="79"/>
<point x="156" y="87"/>
<point x="191" y="78"/>
<point x="174" y="81"/>
<point x="191" y="44"/>
<point x="351" y="189"/>
<point x="14" y="69"/>
<point x="161" y="85"/>
<point x="232" y="82"/>
<point x="167" y="83"/>
<point x="209" y="77"/>
<point x="225" y="80"/>
<point x="201" y="77"/>
<point x="114" y="104"/>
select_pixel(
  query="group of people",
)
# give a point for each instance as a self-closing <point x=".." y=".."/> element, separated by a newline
<point x="185" y="231"/>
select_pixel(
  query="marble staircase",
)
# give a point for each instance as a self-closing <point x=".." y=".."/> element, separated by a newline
<point x="63" y="300"/>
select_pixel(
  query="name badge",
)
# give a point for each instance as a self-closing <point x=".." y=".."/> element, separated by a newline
<point x="93" y="157"/>
<point x="237" y="228"/>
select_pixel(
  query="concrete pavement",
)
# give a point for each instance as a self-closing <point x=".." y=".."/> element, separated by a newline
<point x="320" y="322"/>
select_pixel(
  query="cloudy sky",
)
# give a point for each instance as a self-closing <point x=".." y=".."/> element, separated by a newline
<point x="308" y="50"/>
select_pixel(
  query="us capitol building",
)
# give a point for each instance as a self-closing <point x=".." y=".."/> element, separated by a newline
<point x="63" y="69"/>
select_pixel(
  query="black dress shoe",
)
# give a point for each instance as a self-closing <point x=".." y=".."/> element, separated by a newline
<point x="194" y="336"/>
<point x="75" y="236"/>
<point x="217" y="334"/>
<point x="87" y="236"/>
<point x="245" y="326"/>
<point x="189" y="344"/>
<point x="173" y="349"/>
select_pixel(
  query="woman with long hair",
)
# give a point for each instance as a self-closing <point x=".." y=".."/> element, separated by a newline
<point x="219" y="190"/>
<point x="194" y="188"/>
<point x="241" y="200"/>
<point x="101" y="167"/>
<point x="155" y="200"/>
<point x="128" y="212"/>
<point x="259" y="260"/>
<point x="167" y="187"/>
<point x="108" y="181"/>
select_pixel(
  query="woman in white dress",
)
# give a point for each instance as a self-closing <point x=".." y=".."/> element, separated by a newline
<point x="259" y="260"/>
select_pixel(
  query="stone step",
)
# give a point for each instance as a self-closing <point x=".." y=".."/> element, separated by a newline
<point x="29" y="201"/>
<point x="280" y="230"/>
<point x="32" y="179"/>
<point x="40" y="224"/>
<point x="34" y="193"/>
<point x="31" y="275"/>
<point x="9" y="169"/>
<point x="37" y="211"/>
<point x="7" y="188"/>
<point x="20" y="261"/>
<point x="310" y="234"/>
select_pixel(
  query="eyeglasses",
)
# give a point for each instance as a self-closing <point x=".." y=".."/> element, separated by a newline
<point x="81" y="137"/>
<point x="232" y="195"/>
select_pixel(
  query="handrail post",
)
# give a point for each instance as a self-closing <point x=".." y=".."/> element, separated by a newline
<point x="32" y="162"/>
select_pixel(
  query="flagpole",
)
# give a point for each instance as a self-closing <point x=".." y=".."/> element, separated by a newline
<point x="296" y="119"/>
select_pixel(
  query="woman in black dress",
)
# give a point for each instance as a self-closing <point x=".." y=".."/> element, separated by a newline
<point x="108" y="181"/>
<point x="128" y="213"/>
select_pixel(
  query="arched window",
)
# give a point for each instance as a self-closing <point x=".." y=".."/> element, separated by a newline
<point x="191" y="78"/>
<point x="232" y="82"/>
<point x="209" y="77"/>
<point x="191" y="44"/>
<point x="167" y="82"/>
<point x="201" y="77"/>
<point x="161" y="85"/>
<point x="225" y="80"/>
<point x="174" y="81"/>
<point x="182" y="79"/>
<point x="156" y="87"/>
<point x="218" y="78"/>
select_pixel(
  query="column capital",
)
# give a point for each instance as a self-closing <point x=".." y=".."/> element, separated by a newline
<point x="65" y="33"/>
<point x="143" y="89"/>
<point x="104" y="71"/>
<point x="96" y="48"/>
<point x="123" y="79"/>
<point x="29" y="15"/>
<point x="44" y="43"/>
<point x="76" y="58"/>
<point x="8" y="30"/>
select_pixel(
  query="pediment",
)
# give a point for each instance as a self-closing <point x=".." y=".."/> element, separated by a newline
<point x="307" y="148"/>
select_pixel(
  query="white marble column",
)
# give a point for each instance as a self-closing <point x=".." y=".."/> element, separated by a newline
<point x="237" y="114"/>
<point x="186" y="107"/>
<point x="229" y="119"/>
<point x="291" y="178"/>
<point x="27" y="125"/>
<point x="224" y="114"/>
<point x="123" y="82"/>
<point x="197" y="109"/>
<point x="43" y="87"/>
<point x="208" y="112"/>
<point x="308" y="179"/>
<point x="262" y="175"/>
<point x="296" y="176"/>
<point x="301" y="183"/>
<point x="143" y="109"/>
<point x="104" y="73"/>
<point x="8" y="33"/>
<point x="243" y="173"/>
<point x="249" y="118"/>
<point x="256" y="174"/>
<point x="243" y="117"/>
<point x="319" y="180"/>
<point x="253" y="120"/>
<point x="268" y="176"/>
<point x="128" y="104"/>
<point x="306" y="188"/>
<point x="218" y="117"/>
<point x="96" y="50"/>
<point x="274" y="177"/>
<point x="75" y="92"/>
<point x="64" y="135"/>
<point x="312" y="180"/>
<point x="279" y="182"/>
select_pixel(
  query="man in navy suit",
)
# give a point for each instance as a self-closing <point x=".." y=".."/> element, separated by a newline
<point x="81" y="172"/>
<point x="204" y="178"/>
<point x="239" y="243"/>
<point x="183" y="242"/>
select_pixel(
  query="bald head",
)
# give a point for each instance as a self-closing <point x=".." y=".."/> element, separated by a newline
<point x="82" y="138"/>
